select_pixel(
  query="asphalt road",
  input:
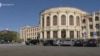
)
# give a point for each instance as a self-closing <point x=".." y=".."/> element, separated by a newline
<point x="23" y="50"/>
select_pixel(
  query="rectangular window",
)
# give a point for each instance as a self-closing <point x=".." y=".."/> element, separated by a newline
<point x="96" y="18"/>
<point x="48" y="34"/>
<point x="90" y="20"/>
<point x="83" y="27"/>
<point x="98" y="33"/>
<point x="91" y="34"/>
<point x="55" y="34"/>
<point x="97" y="26"/>
<point x="71" y="34"/>
<point x="91" y="26"/>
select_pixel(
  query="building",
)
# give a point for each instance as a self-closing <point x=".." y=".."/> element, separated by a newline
<point x="29" y="32"/>
<point x="61" y="22"/>
<point x="92" y="24"/>
<point x="64" y="23"/>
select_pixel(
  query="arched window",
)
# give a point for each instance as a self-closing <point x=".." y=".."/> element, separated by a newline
<point x="63" y="20"/>
<point x="54" y="20"/>
<point x="71" y="20"/>
<point x="77" y="21"/>
<point x="48" y="21"/>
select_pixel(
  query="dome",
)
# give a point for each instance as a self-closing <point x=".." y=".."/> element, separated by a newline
<point x="63" y="9"/>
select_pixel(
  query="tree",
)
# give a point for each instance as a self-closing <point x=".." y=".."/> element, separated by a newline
<point x="8" y="35"/>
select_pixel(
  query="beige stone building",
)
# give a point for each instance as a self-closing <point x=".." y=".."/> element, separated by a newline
<point x="27" y="32"/>
<point x="64" y="22"/>
<point x="92" y="24"/>
<point x="61" y="22"/>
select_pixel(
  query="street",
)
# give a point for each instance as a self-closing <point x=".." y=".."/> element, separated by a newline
<point x="39" y="50"/>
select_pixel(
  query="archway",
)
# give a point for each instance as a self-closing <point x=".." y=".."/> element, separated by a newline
<point x="63" y="33"/>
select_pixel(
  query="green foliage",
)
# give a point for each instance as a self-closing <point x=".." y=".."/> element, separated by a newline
<point x="8" y="36"/>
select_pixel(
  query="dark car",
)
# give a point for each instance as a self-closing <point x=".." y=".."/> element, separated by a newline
<point x="34" y="42"/>
<point x="92" y="42"/>
<point x="80" y="42"/>
<point x="2" y="41"/>
<point x="48" y="42"/>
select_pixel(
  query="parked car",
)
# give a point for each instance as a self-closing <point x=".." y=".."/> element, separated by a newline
<point x="92" y="42"/>
<point x="2" y="41"/>
<point x="80" y="42"/>
<point x="57" y="42"/>
<point x="48" y="42"/>
<point x="34" y="42"/>
<point x="67" y="42"/>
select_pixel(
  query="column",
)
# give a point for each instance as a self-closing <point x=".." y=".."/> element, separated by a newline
<point x="79" y="34"/>
<point x="59" y="19"/>
<point x="75" y="20"/>
<point x="51" y="20"/>
<point x="45" y="21"/>
<point x="41" y="35"/>
<point x="59" y="34"/>
<point x="51" y="34"/>
<point x="41" y="18"/>
<point x="94" y="28"/>
<point x="45" y="35"/>
<point x="75" y="34"/>
<point x="68" y="34"/>
<point x="66" y="19"/>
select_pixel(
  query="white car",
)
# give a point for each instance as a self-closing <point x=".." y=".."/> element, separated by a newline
<point x="57" y="43"/>
<point x="63" y="42"/>
<point x="67" y="42"/>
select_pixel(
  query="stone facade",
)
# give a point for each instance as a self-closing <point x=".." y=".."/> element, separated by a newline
<point x="64" y="22"/>
<point x="29" y="32"/>
<point x="72" y="28"/>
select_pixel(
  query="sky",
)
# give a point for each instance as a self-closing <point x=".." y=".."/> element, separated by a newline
<point x="26" y="12"/>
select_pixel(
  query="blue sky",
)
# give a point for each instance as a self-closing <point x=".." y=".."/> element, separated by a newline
<point x="26" y="12"/>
